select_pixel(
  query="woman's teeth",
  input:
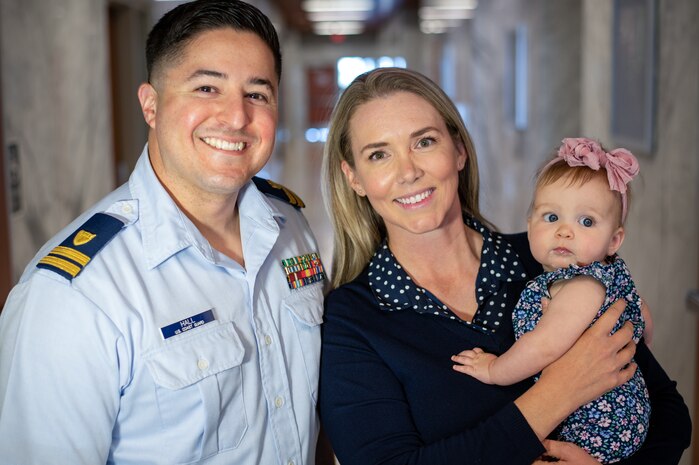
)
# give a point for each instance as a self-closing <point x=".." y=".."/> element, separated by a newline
<point x="415" y="198"/>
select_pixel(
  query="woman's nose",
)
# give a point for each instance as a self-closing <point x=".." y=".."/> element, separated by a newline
<point x="409" y="170"/>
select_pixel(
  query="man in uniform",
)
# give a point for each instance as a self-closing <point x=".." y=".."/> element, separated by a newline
<point x="177" y="320"/>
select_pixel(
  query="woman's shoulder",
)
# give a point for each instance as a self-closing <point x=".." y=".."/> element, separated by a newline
<point x="348" y="295"/>
<point x="520" y="244"/>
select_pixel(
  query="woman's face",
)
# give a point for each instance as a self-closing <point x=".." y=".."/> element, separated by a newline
<point x="406" y="163"/>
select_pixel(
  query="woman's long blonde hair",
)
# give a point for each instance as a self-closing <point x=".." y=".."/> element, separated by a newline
<point x="357" y="228"/>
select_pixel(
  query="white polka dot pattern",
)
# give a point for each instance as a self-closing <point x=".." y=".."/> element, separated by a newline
<point x="394" y="289"/>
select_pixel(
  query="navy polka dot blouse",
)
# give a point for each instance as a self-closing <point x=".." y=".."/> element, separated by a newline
<point x="394" y="289"/>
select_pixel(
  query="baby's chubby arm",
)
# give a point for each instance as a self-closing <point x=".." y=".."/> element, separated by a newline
<point x="573" y="306"/>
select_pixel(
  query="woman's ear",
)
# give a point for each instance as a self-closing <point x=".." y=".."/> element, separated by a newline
<point x="462" y="156"/>
<point x="616" y="241"/>
<point x="352" y="178"/>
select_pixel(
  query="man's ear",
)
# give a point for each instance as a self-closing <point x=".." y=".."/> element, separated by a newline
<point x="616" y="241"/>
<point x="352" y="178"/>
<point x="148" y="97"/>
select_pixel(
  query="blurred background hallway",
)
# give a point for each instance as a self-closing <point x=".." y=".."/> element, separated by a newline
<point x="524" y="74"/>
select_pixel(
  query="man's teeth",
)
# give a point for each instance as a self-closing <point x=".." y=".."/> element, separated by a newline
<point x="415" y="198"/>
<point x="224" y="145"/>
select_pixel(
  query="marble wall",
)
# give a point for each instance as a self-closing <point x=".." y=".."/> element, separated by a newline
<point x="662" y="242"/>
<point x="56" y="113"/>
<point x="508" y="157"/>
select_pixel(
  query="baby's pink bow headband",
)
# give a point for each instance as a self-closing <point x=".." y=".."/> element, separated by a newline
<point x="620" y="164"/>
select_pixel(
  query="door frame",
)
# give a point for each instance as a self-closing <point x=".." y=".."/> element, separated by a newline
<point x="6" y="261"/>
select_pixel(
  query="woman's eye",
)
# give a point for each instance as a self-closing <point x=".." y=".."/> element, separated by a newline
<point x="426" y="142"/>
<point x="550" y="217"/>
<point x="377" y="155"/>
<point x="586" y="221"/>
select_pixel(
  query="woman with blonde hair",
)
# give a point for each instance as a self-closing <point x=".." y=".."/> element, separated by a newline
<point x="419" y="275"/>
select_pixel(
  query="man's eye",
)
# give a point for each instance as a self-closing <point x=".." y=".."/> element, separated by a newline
<point x="258" y="96"/>
<point x="206" y="89"/>
<point x="550" y="217"/>
<point x="586" y="221"/>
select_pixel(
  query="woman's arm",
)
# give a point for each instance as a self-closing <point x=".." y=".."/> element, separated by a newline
<point x="670" y="430"/>
<point x="596" y="363"/>
<point x="670" y="426"/>
<point x="369" y="419"/>
<point x="557" y="330"/>
<point x="368" y="416"/>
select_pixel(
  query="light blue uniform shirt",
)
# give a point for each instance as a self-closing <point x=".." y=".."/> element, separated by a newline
<point x="87" y="377"/>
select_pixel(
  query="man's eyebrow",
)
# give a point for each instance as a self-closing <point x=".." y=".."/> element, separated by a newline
<point x="257" y="81"/>
<point x="260" y="81"/>
<point x="207" y="72"/>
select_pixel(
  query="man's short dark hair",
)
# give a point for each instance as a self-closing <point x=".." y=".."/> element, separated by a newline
<point x="173" y="32"/>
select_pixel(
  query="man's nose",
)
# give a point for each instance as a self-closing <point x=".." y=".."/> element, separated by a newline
<point x="234" y="112"/>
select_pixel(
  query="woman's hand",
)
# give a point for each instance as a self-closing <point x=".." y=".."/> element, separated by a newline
<point x="595" y="364"/>
<point x="648" y="320"/>
<point x="565" y="452"/>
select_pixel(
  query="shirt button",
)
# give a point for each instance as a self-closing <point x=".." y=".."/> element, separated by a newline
<point x="202" y="364"/>
<point x="279" y="401"/>
<point x="268" y="340"/>
<point x="291" y="462"/>
<point x="126" y="208"/>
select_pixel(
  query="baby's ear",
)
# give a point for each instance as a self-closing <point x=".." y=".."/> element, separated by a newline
<point x="616" y="241"/>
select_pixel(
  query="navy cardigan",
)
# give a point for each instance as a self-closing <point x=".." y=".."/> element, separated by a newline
<point x="388" y="394"/>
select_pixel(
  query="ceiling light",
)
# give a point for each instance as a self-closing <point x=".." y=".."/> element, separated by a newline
<point x="451" y="4"/>
<point x="432" y="13"/>
<point x="323" y="16"/>
<point x="338" y="28"/>
<point x="337" y="5"/>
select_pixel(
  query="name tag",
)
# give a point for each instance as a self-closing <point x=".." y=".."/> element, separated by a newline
<point x="185" y="325"/>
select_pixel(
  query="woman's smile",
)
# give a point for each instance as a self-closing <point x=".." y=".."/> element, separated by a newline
<point x="413" y="200"/>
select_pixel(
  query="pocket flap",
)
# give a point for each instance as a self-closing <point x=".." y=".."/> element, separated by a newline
<point x="306" y="304"/>
<point x="186" y="361"/>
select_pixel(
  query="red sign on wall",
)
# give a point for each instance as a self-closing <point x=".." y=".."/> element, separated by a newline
<point x="322" y="93"/>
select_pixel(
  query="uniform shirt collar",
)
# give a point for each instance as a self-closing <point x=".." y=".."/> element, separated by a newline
<point x="166" y="230"/>
<point x="395" y="290"/>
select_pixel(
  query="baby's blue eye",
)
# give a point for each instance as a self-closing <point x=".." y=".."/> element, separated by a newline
<point x="550" y="217"/>
<point x="586" y="221"/>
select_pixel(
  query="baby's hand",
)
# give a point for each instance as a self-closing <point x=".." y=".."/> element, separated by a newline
<point x="475" y="363"/>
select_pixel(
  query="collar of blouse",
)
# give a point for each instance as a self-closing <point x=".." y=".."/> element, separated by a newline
<point x="395" y="290"/>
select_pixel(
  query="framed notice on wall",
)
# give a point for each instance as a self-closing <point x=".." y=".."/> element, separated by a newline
<point x="634" y="65"/>
<point x="322" y="92"/>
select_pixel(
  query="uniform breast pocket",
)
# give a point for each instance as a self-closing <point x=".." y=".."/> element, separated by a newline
<point x="306" y="308"/>
<point x="197" y="376"/>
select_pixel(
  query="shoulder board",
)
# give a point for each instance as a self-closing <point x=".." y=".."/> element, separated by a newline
<point x="277" y="190"/>
<point x="71" y="257"/>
